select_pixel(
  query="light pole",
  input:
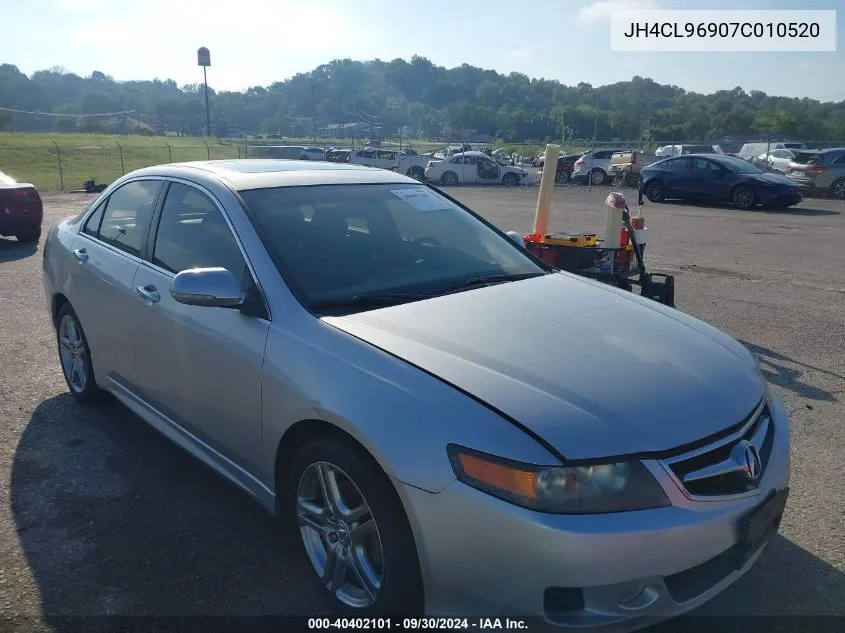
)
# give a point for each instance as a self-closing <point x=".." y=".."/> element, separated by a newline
<point x="314" y="110"/>
<point x="204" y="60"/>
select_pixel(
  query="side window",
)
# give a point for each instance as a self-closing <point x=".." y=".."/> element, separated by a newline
<point x="92" y="225"/>
<point x="457" y="161"/>
<point x="192" y="233"/>
<point x="678" y="165"/>
<point x="127" y="216"/>
<point x="840" y="160"/>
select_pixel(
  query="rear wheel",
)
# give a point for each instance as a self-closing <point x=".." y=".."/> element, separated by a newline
<point x="562" y="177"/>
<point x="655" y="191"/>
<point x="353" y="529"/>
<point x="597" y="177"/>
<point x="743" y="197"/>
<point x="449" y="178"/>
<point x="618" y="179"/>
<point x="29" y="237"/>
<point x="75" y="357"/>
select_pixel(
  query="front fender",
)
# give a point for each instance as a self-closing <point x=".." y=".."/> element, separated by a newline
<point x="403" y="416"/>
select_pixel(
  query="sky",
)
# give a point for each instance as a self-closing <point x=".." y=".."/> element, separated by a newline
<point x="258" y="42"/>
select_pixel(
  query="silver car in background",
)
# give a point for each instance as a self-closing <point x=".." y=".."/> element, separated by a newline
<point x="451" y="426"/>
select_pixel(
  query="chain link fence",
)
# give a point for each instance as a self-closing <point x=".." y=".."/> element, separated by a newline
<point x="67" y="167"/>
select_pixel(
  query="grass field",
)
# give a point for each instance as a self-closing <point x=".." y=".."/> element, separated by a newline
<point x="66" y="161"/>
<point x="37" y="158"/>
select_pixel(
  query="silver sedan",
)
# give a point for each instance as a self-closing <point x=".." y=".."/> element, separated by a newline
<point x="451" y="426"/>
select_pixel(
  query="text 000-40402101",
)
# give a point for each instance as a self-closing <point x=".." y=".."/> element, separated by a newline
<point x="723" y="31"/>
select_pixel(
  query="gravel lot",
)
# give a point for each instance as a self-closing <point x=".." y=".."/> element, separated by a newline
<point x="100" y="515"/>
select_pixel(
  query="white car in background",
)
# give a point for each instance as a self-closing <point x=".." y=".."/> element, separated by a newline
<point x="313" y="153"/>
<point x="375" y="157"/>
<point x="476" y="168"/>
<point x="594" y="165"/>
<point x="775" y="160"/>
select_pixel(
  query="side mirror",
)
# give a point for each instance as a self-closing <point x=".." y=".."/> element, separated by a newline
<point x="208" y="287"/>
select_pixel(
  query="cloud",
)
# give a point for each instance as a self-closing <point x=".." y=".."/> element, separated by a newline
<point x="601" y="10"/>
<point x="519" y="53"/>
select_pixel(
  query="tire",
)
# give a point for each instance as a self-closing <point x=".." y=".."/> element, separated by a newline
<point x="597" y="177"/>
<point x="450" y="178"/>
<point x="562" y="177"/>
<point x="510" y="180"/>
<point x="743" y="197"/>
<point x="655" y="191"/>
<point x="836" y="190"/>
<point x="304" y="157"/>
<point x="417" y="173"/>
<point x="75" y="357"/>
<point x="29" y="237"/>
<point x="390" y="554"/>
<point x="618" y="179"/>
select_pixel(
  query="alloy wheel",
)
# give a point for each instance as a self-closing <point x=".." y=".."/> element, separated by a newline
<point x="340" y="534"/>
<point x="73" y="354"/>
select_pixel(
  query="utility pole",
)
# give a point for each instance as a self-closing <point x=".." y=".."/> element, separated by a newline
<point x="204" y="60"/>
<point x="314" y="110"/>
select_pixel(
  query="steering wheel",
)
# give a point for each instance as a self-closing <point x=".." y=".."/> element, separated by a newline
<point x="433" y="241"/>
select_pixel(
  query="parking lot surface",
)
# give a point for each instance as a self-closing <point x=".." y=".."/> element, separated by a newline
<point x="99" y="515"/>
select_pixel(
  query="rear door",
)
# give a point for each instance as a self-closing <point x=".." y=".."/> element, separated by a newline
<point x="108" y="251"/>
<point x="200" y="366"/>
<point x="677" y="177"/>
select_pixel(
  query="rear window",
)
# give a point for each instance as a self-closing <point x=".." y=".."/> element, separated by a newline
<point x="6" y="180"/>
<point x="808" y="158"/>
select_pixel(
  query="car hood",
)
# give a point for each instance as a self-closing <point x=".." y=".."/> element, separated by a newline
<point x="773" y="179"/>
<point x="594" y="371"/>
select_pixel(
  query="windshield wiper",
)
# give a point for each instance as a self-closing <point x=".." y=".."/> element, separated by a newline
<point x="486" y="280"/>
<point x="366" y="300"/>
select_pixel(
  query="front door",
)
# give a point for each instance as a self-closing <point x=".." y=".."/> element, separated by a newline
<point x="486" y="170"/>
<point x="199" y="366"/>
<point x="106" y="254"/>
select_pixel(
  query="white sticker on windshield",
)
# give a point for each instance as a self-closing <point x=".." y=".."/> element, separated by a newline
<point x="420" y="199"/>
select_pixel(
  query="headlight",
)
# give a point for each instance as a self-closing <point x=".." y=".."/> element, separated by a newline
<point x="588" y="489"/>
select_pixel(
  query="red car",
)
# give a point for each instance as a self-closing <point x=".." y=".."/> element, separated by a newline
<point x="21" y="209"/>
<point x="565" y="167"/>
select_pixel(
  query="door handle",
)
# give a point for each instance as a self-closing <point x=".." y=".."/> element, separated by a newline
<point x="81" y="254"/>
<point x="149" y="293"/>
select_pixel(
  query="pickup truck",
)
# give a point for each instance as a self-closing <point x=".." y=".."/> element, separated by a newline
<point x="414" y="165"/>
<point x="625" y="166"/>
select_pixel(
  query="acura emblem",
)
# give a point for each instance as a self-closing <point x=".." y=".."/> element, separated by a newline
<point x="751" y="462"/>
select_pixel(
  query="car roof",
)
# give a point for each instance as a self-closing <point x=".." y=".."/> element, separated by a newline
<point x="259" y="173"/>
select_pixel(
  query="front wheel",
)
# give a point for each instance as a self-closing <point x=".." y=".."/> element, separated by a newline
<point x="417" y="173"/>
<point x="562" y="177"/>
<point x="837" y="190"/>
<point x="353" y="529"/>
<point x="510" y="180"/>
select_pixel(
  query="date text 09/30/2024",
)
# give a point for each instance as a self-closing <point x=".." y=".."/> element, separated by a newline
<point x="418" y="624"/>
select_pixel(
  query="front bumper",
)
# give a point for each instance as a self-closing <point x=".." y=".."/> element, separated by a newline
<point x="778" y="196"/>
<point x="483" y="556"/>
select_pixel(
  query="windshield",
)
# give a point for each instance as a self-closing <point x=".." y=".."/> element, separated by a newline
<point x="739" y="166"/>
<point x="338" y="242"/>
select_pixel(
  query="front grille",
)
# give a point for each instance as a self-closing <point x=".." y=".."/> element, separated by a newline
<point x="721" y="468"/>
